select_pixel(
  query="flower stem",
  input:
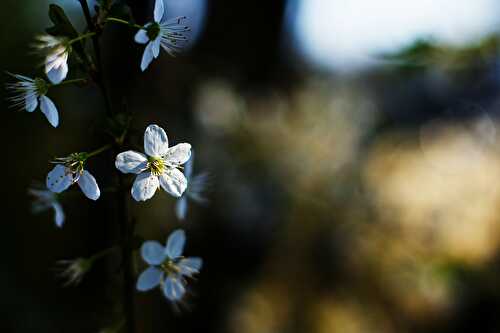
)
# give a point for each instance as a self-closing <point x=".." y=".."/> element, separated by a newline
<point x="130" y="24"/>
<point x="97" y="50"/>
<point x="79" y="38"/>
<point x="101" y="254"/>
<point x="99" y="150"/>
<point x="72" y="81"/>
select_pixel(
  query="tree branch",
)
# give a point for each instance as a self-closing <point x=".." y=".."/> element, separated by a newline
<point x="126" y="230"/>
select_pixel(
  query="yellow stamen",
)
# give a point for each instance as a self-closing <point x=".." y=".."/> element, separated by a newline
<point x="156" y="166"/>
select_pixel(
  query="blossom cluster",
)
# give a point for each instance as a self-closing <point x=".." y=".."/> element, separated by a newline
<point x="28" y="93"/>
<point x="159" y="166"/>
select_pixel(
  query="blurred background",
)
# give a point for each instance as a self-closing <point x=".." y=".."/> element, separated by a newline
<point x="354" y="166"/>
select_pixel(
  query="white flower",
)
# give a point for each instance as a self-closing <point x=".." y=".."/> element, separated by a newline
<point x="27" y="93"/>
<point x="69" y="170"/>
<point x="161" y="32"/>
<point x="167" y="266"/>
<point x="56" y="51"/>
<point x="44" y="200"/>
<point x="158" y="168"/>
<point x="194" y="191"/>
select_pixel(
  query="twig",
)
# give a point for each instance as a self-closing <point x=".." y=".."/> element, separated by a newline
<point x="97" y="51"/>
<point x="128" y="275"/>
<point x="121" y="195"/>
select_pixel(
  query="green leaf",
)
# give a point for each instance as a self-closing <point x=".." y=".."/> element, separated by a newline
<point x="62" y="25"/>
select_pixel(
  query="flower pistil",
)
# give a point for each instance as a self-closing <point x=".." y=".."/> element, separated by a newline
<point x="156" y="165"/>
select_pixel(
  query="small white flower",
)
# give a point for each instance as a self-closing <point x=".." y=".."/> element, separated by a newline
<point x="158" y="168"/>
<point x="168" y="268"/>
<point x="194" y="191"/>
<point x="56" y="51"/>
<point x="161" y="32"/>
<point x="44" y="200"/>
<point x="69" y="170"/>
<point x="27" y="93"/>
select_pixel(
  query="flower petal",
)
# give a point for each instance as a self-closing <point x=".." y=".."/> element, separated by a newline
<point x="175" y="244"/>
<point x="88" y="185"/>
<point x="188" y="167"/>
<point x="31" y="101"/>
<point x="59" y="179"/>
<point x="41" y="194"/>
<point x="181" y="207"/>
<point x="58" y="73"/>
<point x="56" y="58"/>
<point x="145" y="186"/>
<point x="49" y="110"/>
<point x="141" y="36"/>
<point x="178" y="154"/>
<point x="156" y="46"/>
<point x="153" y="252"/>
<point x="59" y="216"/>
<point x="131" y="162"/>
<point x="173" y="288"/>
<point x="196" y="186"/>
<point x="149" y="279"/>
<point x="190" y="266"/>
<point x="147" y="56"/>
<point x="173" y="182"/>
<point x="155" y="141"/>
<point x="159" y="10"/>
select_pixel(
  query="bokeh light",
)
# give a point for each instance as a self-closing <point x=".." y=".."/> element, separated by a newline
<point x="344" y="35"/>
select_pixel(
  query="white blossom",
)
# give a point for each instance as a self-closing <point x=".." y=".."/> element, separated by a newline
<point x="69" y="170"/>
<point x="56" y="51"/>
<point x="44" y="200"/>
<point x="197" y="184"/>
<point x="167" y="33"/>
<point x="168" y="268"/>
<point x="28" y="93"/>
<point x="159" y="167"/>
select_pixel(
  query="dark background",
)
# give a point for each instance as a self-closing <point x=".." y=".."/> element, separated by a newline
<point x="361" y="202"/>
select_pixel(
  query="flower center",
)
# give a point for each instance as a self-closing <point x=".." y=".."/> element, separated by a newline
<point x="41" y="86"/>
<point x="169" y="266"/>
<point x="74" y="162"/>
<point x="156" y="165"/>
<point x="153" y="30"/>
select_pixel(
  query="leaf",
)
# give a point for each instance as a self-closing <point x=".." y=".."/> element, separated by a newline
<point x="63" y="27"/>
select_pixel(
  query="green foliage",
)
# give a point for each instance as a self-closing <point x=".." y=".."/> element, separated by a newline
<point x="425" y="53"/>
<point x="415" y="54"/>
